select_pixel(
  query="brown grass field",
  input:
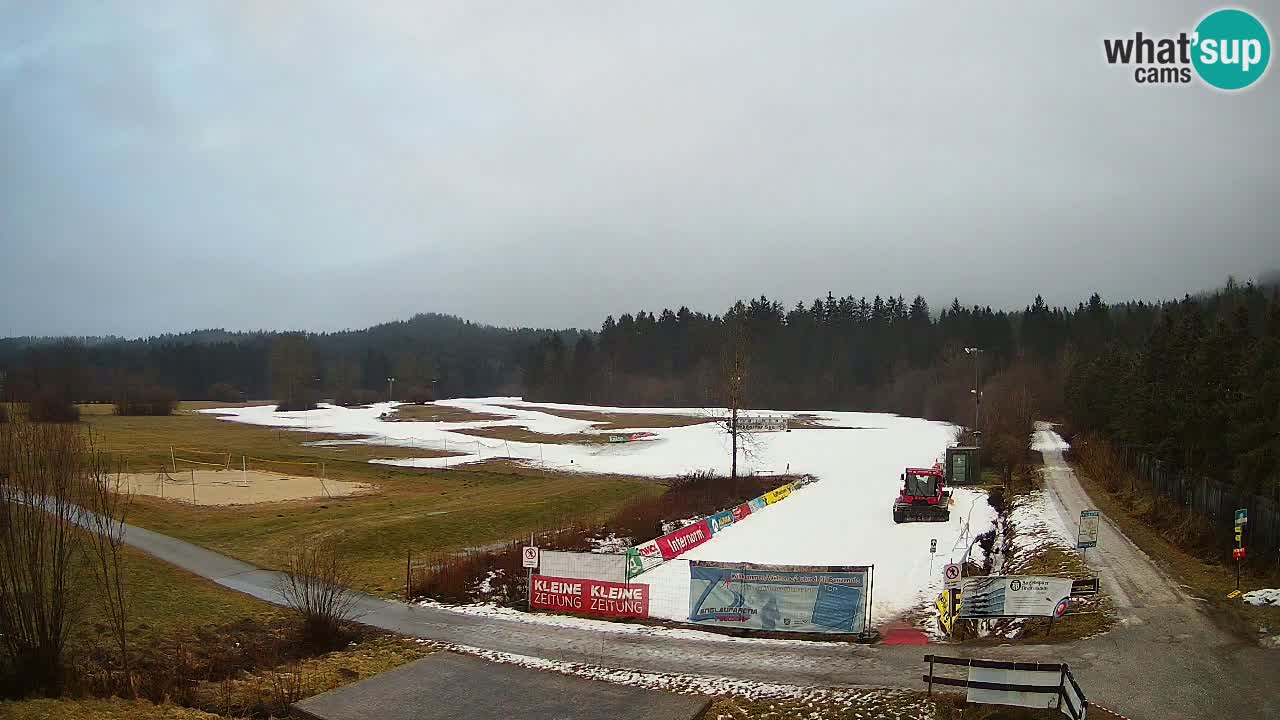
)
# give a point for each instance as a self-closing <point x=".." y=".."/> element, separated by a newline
<point x="440" y="413"/>
<point x="520" y="433"/>
<point x="408" y="510"/>
<point x="621" y="421"/>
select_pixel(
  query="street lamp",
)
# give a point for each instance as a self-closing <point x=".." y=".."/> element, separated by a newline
<point x="391" y="383"/>
<point x="977" y="392"/>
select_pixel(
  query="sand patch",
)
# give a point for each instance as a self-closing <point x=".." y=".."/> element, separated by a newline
<point x="234" y="487"/>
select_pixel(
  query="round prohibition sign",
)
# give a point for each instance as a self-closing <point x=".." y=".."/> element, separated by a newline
<point x="531" y="553"/>
<point x="952" y="572"/>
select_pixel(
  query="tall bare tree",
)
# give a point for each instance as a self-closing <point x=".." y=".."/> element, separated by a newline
<point x="730" y="390"/>
<point x="39" y="550"/>
<point x="108" y="503"/>
<point x="54" y="504"/>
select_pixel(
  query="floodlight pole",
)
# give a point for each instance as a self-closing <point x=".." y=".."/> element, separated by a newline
<point x="977" y="392"/>
<point x="391" y="383"/>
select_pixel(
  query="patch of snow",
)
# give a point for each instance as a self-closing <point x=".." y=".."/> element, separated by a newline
<point x="673" y="525"/>
<point x="618" y="628"/>
<point x="1038" y="524"/>
<point x="883" y="702"/>
<point x="611" y="544"/>
<point x="485" y="586"/>
<point x="1267" y="597"/>
<point x="1045" y="439"/>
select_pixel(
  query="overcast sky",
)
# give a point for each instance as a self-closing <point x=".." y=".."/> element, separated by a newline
<point x="321" y="165"/>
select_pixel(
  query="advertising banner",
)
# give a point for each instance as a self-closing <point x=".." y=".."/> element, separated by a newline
<point x="720" y="521"/>
<point x="676" y="543"/>
<point x="1015" y="596"/>
<point x="642" y="557"/>
<point x="740" y="512"/>
<point x="594" y="597"/>
<point x="757" y="504"/>
<point x="998" y="686"/>
<point x="777" y="494"/>
<point x="1087" y="536"/>
<point x="584" y="566"/>
<point x="786" y="598"/>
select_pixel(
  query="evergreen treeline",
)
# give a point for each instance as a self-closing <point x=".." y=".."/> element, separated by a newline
<point x="834" y="353"/>
<point x="462" y="359"/>
<point x="1201" y="393"/>
<point x="1194" y="382"/>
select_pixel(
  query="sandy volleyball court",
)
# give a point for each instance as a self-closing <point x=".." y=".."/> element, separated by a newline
<point x="234" y="487"/>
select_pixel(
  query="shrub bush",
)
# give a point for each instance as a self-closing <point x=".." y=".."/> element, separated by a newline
<point x="146" y="400"/>
<point x="302" y="400"/>
<point x="224" y="392"/>
<point x="349" y="397"/>
<point x="317" y="586"/>
<point x="418" y="395"/>
<point x="52" y="407"/>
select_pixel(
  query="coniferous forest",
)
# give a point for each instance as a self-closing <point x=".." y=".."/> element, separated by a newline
<point x="1193" y="382"/>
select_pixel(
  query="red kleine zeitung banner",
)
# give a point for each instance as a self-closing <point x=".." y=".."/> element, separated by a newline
<point x="592" y="597"/>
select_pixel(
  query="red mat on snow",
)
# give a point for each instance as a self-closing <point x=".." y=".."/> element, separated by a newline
<point x="903" y="635"/>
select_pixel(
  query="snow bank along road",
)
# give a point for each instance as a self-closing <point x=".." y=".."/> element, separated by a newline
<point x="844" y="519"/>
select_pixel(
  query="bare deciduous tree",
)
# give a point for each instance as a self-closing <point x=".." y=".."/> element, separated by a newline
<point x="730" y="390"/>
<point x="316" y="585"/>
<point x="108" y="505"/>
<point x="39" y="545"/>
<point x="55" y="499"/>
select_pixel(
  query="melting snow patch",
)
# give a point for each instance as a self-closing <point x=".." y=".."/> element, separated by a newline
<point x="610" y="544"/>
<point x="1269" y="597"/>
<point x="1045" y="439"/>
<point x="905" y="703"/>
<point x="1037" y="525"/>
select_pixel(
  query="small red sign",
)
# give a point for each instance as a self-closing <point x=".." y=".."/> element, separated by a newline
<point x="593" y="597"/>
<point x="1237" y="553"/>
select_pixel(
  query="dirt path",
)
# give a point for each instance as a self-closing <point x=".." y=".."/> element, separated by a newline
<point x="1166" y="649"/>
<point x="1131" y="578"/>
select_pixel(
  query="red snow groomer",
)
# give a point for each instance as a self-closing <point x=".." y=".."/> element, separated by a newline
<point x="924" y="497"/>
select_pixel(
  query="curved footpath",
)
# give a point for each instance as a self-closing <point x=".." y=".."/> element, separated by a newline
<point x="1165" y="661"/>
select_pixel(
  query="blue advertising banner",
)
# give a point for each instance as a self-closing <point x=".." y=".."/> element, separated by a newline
<point x="720" y="521"/>
<point x="758" y="503"/>
<point x="782" y="598"/>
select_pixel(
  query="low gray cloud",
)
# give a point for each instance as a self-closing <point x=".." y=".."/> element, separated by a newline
<point x="325" y="164"/>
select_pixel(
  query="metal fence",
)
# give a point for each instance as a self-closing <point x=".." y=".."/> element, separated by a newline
<point x="1215" y="500"/>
